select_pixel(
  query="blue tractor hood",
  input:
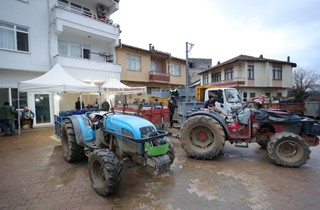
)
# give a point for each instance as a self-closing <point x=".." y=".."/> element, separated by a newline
<point x="132" y="126"/>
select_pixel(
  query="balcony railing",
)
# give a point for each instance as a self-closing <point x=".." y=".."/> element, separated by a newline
<point x="85" y="13"/>
<point x="237" y="81"/>
<point x="159" y="76"/>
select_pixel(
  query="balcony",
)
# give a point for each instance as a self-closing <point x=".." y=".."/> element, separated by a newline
<point x="159" y="77"/>
<point x="83" y="21"/>
<point x="235" y="82"/>
<point x="92" y="64"/>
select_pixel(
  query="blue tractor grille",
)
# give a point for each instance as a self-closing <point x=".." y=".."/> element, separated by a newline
<point x="147" y="131"/>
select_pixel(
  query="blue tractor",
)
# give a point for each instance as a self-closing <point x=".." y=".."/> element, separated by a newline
<point x="110" y="140"/>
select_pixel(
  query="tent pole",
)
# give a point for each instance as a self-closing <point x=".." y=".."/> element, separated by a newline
<point x="81" y="101"/>
<point x="18" y="118"/>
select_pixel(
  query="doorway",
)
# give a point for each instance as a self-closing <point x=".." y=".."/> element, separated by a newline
<point x="42" y="108"/>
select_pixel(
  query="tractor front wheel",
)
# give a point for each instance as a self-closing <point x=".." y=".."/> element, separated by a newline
<point x="202" y="137"/>
<point x="288" y="149"/>
<point x="104" y="171"/>
<point x="71" y="150"/>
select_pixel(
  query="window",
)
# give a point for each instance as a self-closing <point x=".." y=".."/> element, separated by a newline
<point x="63" y="3"/>
<point x="133" y="62"/>
<point x="174" y="69"/>
<point x="205" y="79"/>
<point x="86" y="53"/>
<point x="216" y="77"/>
<point x="73" y="49"/>
<point x="63" y="47"/>
<point x="277" y="72"/>
<point x="267" y="94"/>
<point x="154" y="66"/>
<point x="76" y="7"/>
<point x="14" y="37"/>
<point x="279" y="94"/>
<point x="228" y="74"/>
<point x="5" y="96"/>
<point x="252" y="95"/>
<point x="250" y="72"/>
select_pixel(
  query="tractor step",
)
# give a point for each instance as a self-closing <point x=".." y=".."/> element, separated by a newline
<point x="93" y="146"/>
<point x="242" y="145"/>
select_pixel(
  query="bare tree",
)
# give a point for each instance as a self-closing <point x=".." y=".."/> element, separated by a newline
<point x="303" y="82"/>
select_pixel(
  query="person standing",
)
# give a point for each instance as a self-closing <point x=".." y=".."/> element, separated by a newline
<point x="96" y="103"/>
<point x="105" y="106"/>
<point x="172" y="106"/>
<point x="77" y="104"/>
<point x="7" y="117"/>
<point x="27" y="114"/>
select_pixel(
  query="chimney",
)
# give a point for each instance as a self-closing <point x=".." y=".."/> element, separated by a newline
<point x="150" y="46"/>
<point x="288" y="59"/>
<point x="261" y="56"/>
<point x="218" y="63"/>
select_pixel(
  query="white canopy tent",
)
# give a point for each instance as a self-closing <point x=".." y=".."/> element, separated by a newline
<point x="115" y="86"/>
<point x="54" y="81"/>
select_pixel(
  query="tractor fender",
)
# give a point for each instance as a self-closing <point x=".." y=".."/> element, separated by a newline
<point x="215" y="116"/>
<point x="82" y="129"/>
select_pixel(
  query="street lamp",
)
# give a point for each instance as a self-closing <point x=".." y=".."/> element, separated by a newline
<point x="188" y="49"/>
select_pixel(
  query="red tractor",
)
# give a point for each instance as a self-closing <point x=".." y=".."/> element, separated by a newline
<point x="286" y="137"/>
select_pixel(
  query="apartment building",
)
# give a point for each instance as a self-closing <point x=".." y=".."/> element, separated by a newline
<point x="35" y="35"/>
<point x="150" y="67"/>
<point x="254" y="75"/>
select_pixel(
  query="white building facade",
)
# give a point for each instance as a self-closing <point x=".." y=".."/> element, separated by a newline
<point x="35" y="35"/>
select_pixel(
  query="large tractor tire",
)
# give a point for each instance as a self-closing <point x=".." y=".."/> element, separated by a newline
<point x="104" y="171"/>
<point x="288" y="149"/>
<point x="71" y="150"/>
<point x="171" y="153"/>
<point x="202" y="137"/>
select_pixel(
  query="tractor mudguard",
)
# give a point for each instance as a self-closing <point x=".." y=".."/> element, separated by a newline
<point x="82" y="129"/>
<point x="215" y="116"/>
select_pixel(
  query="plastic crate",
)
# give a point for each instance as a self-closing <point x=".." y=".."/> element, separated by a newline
<point x="156" y="150"/>
<point x="311" y="127"/>
<point x="66" y="113"/>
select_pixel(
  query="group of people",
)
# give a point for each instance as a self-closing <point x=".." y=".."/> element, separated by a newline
<point x="9" y="116"/>
<point x="105" y="106"/>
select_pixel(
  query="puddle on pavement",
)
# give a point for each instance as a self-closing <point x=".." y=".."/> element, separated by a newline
<point x="63" y="178"/>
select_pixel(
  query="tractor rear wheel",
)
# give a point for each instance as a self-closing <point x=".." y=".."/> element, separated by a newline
<point x="71" y="150"/>
<point x="202" y="137"/>
<point x="288" y="149"/>
<point x="104" y="171"/>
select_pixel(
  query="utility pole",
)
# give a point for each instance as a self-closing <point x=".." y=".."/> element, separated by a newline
<point x="188" y="49"/>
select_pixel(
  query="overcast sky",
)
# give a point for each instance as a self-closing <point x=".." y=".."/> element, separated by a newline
<point x="223" y="29"/>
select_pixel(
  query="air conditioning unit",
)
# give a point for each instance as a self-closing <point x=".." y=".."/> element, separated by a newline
<point x="102" y="9"/>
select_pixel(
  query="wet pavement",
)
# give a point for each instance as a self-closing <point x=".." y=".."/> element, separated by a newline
<point x="34" y="175"/>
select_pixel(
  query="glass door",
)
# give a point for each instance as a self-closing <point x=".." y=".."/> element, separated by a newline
<point x="42" y="108"/>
